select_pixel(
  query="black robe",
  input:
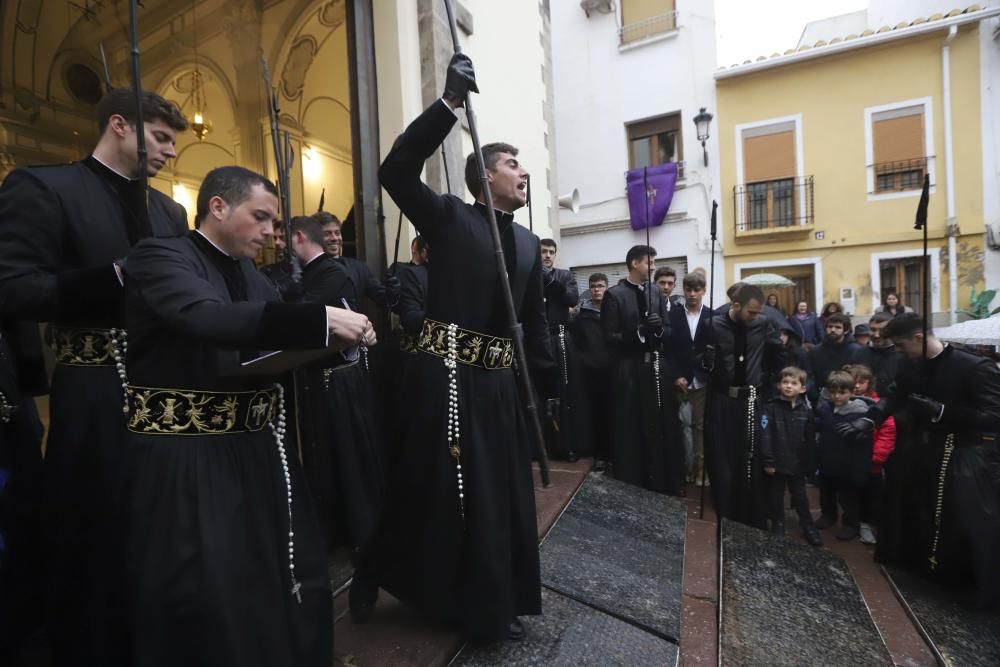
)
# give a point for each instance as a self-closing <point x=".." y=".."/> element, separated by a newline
<point x="731" y="453"/>
<point x="341" y="454"/>
<point x="968" y="550"/>
<point x="207" y="515"/>
<point x="571" y="435"/>
<point x="61" y="228"/>
<point x="596" y="379"/>
<point x="412" y="296"/>
<point x="646" y="448"/>
<point x="479" y="572"/>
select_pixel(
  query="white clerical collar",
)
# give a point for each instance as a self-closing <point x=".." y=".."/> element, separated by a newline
<point x="214" y="245"/>
<point x="641" y="286"/>
<point x="314" y="257"/>
<point x="113" y="170"/>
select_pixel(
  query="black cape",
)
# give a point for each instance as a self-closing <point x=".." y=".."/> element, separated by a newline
<point x="207" y="515"/>
<point x="61" y="228"/>
<point x="479" y="572"/>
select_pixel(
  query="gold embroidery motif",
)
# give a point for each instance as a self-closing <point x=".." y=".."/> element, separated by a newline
<point x="179" y="412"/>
<point x="82" y="347"/>
<point x="472" y="348"/>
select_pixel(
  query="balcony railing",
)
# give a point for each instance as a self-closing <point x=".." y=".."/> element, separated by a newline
<point x="900" y="175"/>
<point x="780" y="205"/>
<point x="649" y="27"/>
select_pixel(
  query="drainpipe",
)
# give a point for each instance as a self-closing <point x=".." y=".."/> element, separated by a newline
<point x="949" y="175"/>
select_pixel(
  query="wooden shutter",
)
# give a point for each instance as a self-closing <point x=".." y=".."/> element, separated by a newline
<point x="769" y="157"/>
<point x="898" y="139"/>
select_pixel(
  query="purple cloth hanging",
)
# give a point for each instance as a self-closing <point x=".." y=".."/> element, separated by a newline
<point x="660" y="181"/>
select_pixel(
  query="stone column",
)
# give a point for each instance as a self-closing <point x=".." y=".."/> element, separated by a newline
<point x="242" y="28"/>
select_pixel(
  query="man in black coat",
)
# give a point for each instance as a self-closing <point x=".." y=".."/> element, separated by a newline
<point x="832" y="354"/>
<point x="225" y="562"/>
<point x="689" y="334"/>
<point x="564" y="438"/>
<point x="65" y="231"/>
<point x="743" y="353"/>
<point x="461" y="539"/>
<point x="597" y="366"/>
<point x="646" y="449"/>
<point x="382" y="295"/>
<point x="881" y="356"/>
<point x="941" y="512"/>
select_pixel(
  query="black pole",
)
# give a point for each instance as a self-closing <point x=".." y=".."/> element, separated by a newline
<point x="399" y="231"/>
<point x="649" y="268"/>
<point x="107" y="72"/>
<point x="447" y="176"/>
<point x="517" y="334"/>
<point x="531" y="218"/>
<point x="921" y="223"/>
<point x="713" y="233"/>
<point x="140" y="126"/>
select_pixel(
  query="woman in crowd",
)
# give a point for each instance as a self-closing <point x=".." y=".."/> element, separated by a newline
<point x="806" y="325"/>
<point x="893" y="305"/>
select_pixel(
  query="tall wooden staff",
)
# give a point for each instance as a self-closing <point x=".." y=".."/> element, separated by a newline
<point x="282" y="162"/>
<point x="921" y="223"/>
<point x="517" y="333"/>
<point x="713" y="232"/>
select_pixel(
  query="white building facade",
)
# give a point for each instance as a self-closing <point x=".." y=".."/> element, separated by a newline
<point x="628" y="81"/>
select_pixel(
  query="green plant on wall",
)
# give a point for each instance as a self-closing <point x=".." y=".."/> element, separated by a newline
<point x="980" y="304"/>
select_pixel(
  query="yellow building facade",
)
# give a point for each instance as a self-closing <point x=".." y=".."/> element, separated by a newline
<point x="823" y="154"/>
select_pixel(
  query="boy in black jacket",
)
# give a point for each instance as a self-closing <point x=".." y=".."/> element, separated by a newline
<point x="787" y="434"/>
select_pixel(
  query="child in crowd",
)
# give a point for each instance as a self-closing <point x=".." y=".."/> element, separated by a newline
<point x="844" y="461"/>
<point x="787" y="434"/>
<point x="884" y="443"/>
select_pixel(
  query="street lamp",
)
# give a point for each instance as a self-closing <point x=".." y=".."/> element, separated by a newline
<point x="702" y="121"/>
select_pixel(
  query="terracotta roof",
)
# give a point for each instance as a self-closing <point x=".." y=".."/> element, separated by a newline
<point x="866" y="33"/>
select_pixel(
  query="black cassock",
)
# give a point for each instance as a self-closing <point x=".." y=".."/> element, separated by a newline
<point x="561" y="294"/>
<point x="968" y="485"/>
<point x="208" y="574"/>
<point x="479" y="572"/>
<point x="61" y="228"/>
<point x="646" y="447"/>
<point x="745" y="356"/>
<point x="340" y="445"/>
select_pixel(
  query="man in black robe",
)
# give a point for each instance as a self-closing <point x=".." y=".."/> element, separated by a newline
<point x="461" y="539"/>
<point x="941" y="515"/>
<point x="880" y="354"/>
<point x="64" y="233"/>
<point x="743" y="351"/>
<point x="646" y="448"/>
<point x="225" y="563"/>
<point x="382" y="295"/>
<point x="565" y="437"/>
<point x="597" y="378"/>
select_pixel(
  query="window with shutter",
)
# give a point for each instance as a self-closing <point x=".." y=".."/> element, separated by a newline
<point x="899" y="155"/>
<point x="769" y="176"/>
<point x="646" y="18"/>
<point x="655" y="141"/>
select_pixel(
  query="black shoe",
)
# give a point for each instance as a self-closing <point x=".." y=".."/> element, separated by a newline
<point x="572" y="457"/>
<point x="812" y="536"/>
<point x="362" y="597"/>
<point x="778" y="528"/>
<point x="826" y="521"/>
<point x="847" y="533"/>
<point x="516" y="630"/>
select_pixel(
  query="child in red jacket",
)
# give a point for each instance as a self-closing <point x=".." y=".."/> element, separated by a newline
<point x="885" y="442"/>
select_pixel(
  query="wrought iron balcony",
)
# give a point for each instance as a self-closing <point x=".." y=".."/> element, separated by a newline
<point x="900" y="175"/>
<point x="782" y="205"/>
<point x="649" y="27"/>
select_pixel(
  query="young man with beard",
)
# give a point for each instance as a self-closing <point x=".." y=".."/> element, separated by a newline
<point x="832" y="354"/>
<point x="646" y="449"/>
<point x="65" y="232"/>
<point x="595" y="361"/>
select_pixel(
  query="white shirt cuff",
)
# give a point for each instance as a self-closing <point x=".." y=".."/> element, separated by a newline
<point x="448" y="106"/>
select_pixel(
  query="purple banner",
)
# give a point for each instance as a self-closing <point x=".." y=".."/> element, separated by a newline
<point x="650" y="191"/>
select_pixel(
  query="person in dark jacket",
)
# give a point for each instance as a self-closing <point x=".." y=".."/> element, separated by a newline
<point x="880" y="354"/>
<point x="596" y="364"/>
<point x="787" y="433"/>
<point x="689" y="333"/>
<point x="806" y="325"/>
<point x="844" y="459"/>
<point x="833" y="354"/>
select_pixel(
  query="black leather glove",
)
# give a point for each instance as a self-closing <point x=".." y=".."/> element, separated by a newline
<point x="855" y="428"/>
<point x="708" y="358"/>
<point x="461" y="78"/>
<point x="552" y="409"/>
<point x="927" y="406"/>
<point x="651" y="326"/>
<point x="392" y="287"/>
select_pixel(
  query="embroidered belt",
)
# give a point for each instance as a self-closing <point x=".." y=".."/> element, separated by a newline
<point x="7" y="409"/>
<point x="472" y="348"/>
<point x="407" y="342"/>
<point x="182" y="412"/>
<point x="75" y="346"/>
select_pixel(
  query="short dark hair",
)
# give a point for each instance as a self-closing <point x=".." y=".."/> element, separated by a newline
<point x="794" y="372"/>
<point x="861" y="372"/>
<point x="597" y="277"/>
<point x="548" y="243"/>
<point x="879" y="317"/>
<point x="637" y="252"/>
<point x="325" y="218"/>
<point x="491" y="153"/>
<point x="840" y="381"/>
<point x="840" y="308"/>
<point x="694" y="280"/>
<point x="735" y="287"/>
<point x="841" y="319"/>
<point x="233" y="184"/>
<point x="745" y="293"/>
<point x="310" y="228"/>
<point x="420" y="242"/>
<point x="121" y="102"/>
<point x="664" y="271"/>
<point x="905" y="325"/>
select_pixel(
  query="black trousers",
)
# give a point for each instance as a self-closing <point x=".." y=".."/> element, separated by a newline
<point x="599" y="397"/>
<point x="871" y="499"/>
<point x="796" y="485"/>
<point x="833" y="491"/>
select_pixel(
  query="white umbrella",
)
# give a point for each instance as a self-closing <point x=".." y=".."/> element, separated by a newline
<point x="972" y="332"/>
<point x="767" y="280"/>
